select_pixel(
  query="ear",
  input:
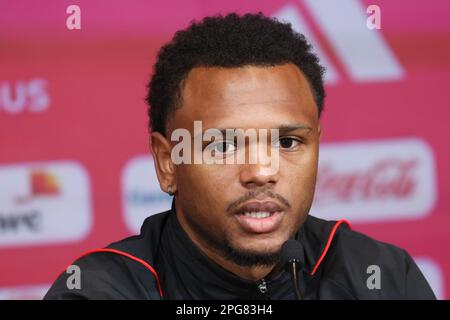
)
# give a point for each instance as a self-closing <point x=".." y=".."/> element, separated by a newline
<point x="165" y="169"/>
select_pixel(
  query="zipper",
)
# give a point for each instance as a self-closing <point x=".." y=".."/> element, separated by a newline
<point x="262" y="288"/>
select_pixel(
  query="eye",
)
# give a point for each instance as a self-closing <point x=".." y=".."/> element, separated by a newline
<point x="287" y="143"/>
<point x="223" y="147"/>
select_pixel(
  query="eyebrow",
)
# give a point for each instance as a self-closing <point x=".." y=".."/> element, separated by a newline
<point x="283" y="129"/>
<point x="292" y="127"/>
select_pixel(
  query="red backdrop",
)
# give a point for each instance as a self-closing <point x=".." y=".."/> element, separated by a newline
<point x="75" y="172"/>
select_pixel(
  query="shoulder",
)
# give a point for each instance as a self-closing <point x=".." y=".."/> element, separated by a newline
<point x="368" y="268"/>
<point x="122" y="270"/>
<point x="344" y="240"/>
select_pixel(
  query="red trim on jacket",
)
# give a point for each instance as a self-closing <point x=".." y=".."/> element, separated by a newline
<point x="330" y="239"/>
<point x="153" y="271"/>
<point x="145" y="264"/>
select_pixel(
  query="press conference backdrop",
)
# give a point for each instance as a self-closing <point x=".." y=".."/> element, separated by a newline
<point x="75" y="170"/>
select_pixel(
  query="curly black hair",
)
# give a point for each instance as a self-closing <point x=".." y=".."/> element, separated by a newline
<point x="227" y="41"/>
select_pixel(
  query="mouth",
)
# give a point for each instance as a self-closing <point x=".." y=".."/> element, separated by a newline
<point x="259" y="216"/>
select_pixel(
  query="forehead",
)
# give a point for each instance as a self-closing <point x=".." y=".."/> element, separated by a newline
<point x="250" y="96"/>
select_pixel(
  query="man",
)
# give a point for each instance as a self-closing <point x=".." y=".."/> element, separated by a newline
<point x="223" y="236"/>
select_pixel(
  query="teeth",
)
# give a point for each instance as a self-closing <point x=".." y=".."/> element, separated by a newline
<point x="257" y="215"/>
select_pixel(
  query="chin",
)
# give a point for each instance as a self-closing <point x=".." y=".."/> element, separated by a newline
<point x="267" y="244"/>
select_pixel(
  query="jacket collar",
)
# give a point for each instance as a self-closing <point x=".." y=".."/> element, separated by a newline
<point x="198" y="277"/>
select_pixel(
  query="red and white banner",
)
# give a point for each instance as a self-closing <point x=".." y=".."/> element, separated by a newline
<point x="75" y="171"/>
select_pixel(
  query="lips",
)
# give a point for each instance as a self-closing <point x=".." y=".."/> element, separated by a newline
<point x="259" y="216"/>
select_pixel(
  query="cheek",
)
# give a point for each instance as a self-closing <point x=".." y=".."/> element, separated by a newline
<point x="205" y="188"/>
<point x="298" y="176"/>
<point x="204" y="194"/>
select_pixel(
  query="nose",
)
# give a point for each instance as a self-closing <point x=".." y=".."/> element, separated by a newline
<point x="257" y="175"/>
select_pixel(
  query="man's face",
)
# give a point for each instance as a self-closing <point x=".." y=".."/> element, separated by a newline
<point x="217" y="203"/>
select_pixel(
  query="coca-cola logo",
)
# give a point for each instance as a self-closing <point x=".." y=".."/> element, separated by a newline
<point x="376" y="180"/>
<point x="389" y="178"/>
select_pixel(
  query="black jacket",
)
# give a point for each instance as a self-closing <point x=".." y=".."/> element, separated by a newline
<point x="162" y="262"/>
